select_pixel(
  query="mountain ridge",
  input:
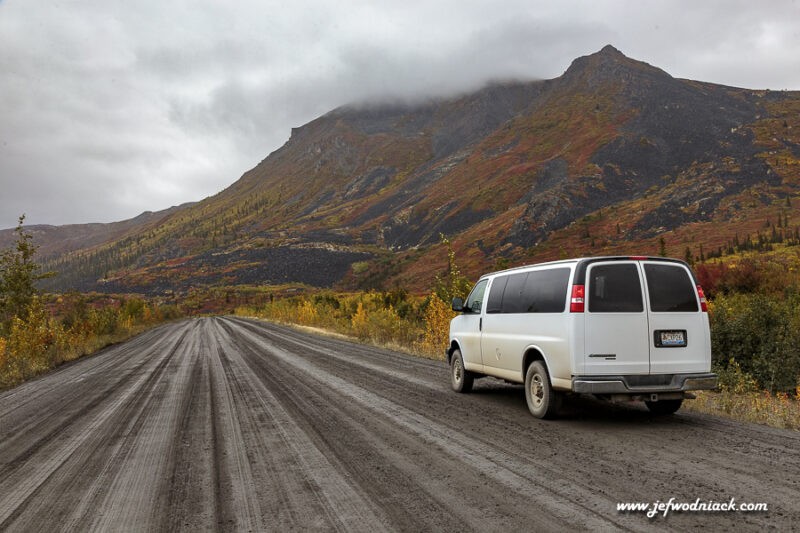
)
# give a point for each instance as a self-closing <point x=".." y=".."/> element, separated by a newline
<point x="54" y="240"/>
<point x="612" y="155"/>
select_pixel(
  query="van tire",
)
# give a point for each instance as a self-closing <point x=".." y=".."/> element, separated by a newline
<point x="664" y="407"/>
<point x="460" y="378"/>
<point x="543" y="401"/>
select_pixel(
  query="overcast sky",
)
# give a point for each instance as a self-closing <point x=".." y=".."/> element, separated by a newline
<point x="110" y="108"/>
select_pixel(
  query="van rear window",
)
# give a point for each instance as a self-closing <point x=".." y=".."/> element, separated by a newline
<point x="615" y="289"/>
<point x="670" y="289"/>
<point x="538" y="291"/>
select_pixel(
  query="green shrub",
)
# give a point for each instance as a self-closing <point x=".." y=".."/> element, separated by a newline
<point x="761" y="334"/>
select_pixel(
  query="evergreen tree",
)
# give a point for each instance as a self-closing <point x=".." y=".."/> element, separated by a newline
<point x="18" y="274"/>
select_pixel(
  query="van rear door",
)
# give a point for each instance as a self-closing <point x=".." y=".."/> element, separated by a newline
<point x="644" y="316"/>
<point x="678" y="329"/>
<point x="616" y="338"/>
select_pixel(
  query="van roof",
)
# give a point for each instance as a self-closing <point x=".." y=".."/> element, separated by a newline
<point x="585" y="261"/>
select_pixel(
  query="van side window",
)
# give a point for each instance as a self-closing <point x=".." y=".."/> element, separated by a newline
<point x="475" y="298"/>
<point x="512" y="297"/>
<point x="495" y="302"/>
<point x="615" y="289"/>
<point x="546" y="291"/>
<point x="537" y="291"/>
<point x="670" y="288"/>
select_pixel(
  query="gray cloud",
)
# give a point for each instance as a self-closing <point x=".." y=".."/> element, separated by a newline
<point x="111" y="108"/>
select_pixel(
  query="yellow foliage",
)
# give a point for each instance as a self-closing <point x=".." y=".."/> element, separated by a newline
<point x="384" y="325"/>
<point x="30" y="346"/>
<point x="360" y="323"/>
<point x="307" y="313"/>
<point x="37" y="342"/>
<point x="437" y="327"/>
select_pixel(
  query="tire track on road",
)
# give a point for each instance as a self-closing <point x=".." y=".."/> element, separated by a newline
<point x="233" y="424"/>
<point x="62" y="454"/>
<point x="557" y="503"/>
<point x="624" y="455"/>
<point x="344" y="508"/>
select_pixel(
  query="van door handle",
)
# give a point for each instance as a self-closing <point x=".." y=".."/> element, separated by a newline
<point x="480" y="324"/>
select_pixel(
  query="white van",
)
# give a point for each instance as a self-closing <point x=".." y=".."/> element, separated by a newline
<point x="620" y="328"/>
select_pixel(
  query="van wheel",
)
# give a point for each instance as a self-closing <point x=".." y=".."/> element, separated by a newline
<point x="543" y="401"/>
<point x="664" y="407"/>
<point x="460" y="378"/>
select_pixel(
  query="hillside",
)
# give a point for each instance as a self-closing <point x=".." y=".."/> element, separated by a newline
<point x="54" y="241"/>
<point x="612" y="156"/>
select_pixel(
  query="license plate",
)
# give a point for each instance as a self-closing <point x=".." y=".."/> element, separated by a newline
<point x="670" y="338"/>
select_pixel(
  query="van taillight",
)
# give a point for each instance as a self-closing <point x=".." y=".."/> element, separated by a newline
<point x="576" y="301"/>
<point x="703" y="301"/>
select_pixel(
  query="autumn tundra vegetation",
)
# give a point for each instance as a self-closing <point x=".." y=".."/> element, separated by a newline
<point x="754" y="311"/>
<point x="39" y="332"/>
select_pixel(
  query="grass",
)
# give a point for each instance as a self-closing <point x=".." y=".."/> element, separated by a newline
<point x="780" y="410"/>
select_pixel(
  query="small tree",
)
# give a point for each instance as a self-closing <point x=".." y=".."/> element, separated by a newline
<point x="662" y="247"/>
<point x="453" y="284"/>
<point x="437" y="326"/>
<point x="18" y="274"/>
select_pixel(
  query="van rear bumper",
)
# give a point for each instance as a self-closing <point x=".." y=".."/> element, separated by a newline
<point x="648" y="383"/>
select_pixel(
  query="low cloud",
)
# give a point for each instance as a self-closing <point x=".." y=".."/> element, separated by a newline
<point x="112" y="108"/>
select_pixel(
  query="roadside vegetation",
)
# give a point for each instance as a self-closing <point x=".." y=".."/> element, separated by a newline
<point x="38" y="333"/>
<point x="755" y="337"/>
<point x="393" y="319"/>
<point x="740" y="397"/>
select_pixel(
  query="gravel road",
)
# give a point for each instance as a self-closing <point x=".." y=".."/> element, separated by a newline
<point x="234" y="424"/>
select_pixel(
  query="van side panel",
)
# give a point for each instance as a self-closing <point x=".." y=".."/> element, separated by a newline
<point x="507" y="337"/>
<point x="528" y="310"/>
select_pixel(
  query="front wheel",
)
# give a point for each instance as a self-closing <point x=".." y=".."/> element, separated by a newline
<point x="460" y="378"/>
<point x="664" y="407"/>
<point x="543" y="401"/>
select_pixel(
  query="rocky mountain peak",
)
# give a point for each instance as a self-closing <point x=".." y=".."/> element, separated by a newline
<point x="609" y="65"/>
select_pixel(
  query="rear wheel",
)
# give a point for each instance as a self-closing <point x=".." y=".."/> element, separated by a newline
<point x="664" y="407"/>
<point x="460" y="378"/>
<point x="543" y="401"/>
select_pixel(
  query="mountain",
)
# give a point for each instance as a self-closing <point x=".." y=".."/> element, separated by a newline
<point x="59" y="240"/>
<point x="613" y="156"/>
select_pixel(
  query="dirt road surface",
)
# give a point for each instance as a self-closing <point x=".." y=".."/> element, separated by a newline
<point x="233" y="424"/>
